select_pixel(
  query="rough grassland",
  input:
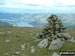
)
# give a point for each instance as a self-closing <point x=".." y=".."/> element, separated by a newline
<point x="19" y="36"/>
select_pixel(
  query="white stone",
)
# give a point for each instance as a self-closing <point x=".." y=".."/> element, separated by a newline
<point x="17" y="52"/>
<point x="7" y="40"/>
<point x="55" y="44"/>
<point x="9" y="32"/>
<point x="55" y="54"/>
<point x="32" y="49"/>
<point x="6" y="53"/>
<point x="43" y="43"/>
<point x="23" y="46"/>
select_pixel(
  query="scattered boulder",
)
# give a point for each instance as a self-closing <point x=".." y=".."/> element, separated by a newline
<point x="65" y="35"/>
<point x="43" y="43"/>
<point x="55" y="44"/>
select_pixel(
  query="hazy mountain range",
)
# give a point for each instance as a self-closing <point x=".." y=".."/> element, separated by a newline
<point x="34" y="20"/>
<point x="5" y="23"/>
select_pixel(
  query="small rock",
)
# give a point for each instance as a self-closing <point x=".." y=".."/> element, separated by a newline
<point x="32" y="49"/>
<point x="55" y="54"/>
<point x="23" y="46"/>
<point x="7" y="41"/>
<point x="9" y="32"/>
<point x="6" y="53"/>
<point x="17" y="53"/>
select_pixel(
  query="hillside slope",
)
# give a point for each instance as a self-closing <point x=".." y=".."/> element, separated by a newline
<point x="11" y="39"/>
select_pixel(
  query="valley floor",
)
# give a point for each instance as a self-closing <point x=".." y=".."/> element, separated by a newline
<point x="12" y="38"/>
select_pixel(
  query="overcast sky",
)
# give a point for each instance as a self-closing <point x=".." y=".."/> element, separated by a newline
<point x="37" y="6"/>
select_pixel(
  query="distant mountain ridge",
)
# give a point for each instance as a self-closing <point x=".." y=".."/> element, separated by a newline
<point x="5" y="23"/>
<point x="38" y="19"/>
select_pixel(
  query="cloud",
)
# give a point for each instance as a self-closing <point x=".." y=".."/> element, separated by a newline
<point x="65" y="3"/>
<point x="38" y="2"/>
<point x="42" y="5"/>
<point x="2" y="2"/>
<point x="24" y="3"/>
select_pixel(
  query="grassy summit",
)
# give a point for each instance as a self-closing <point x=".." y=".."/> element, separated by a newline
<point x="18" y="36"/>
